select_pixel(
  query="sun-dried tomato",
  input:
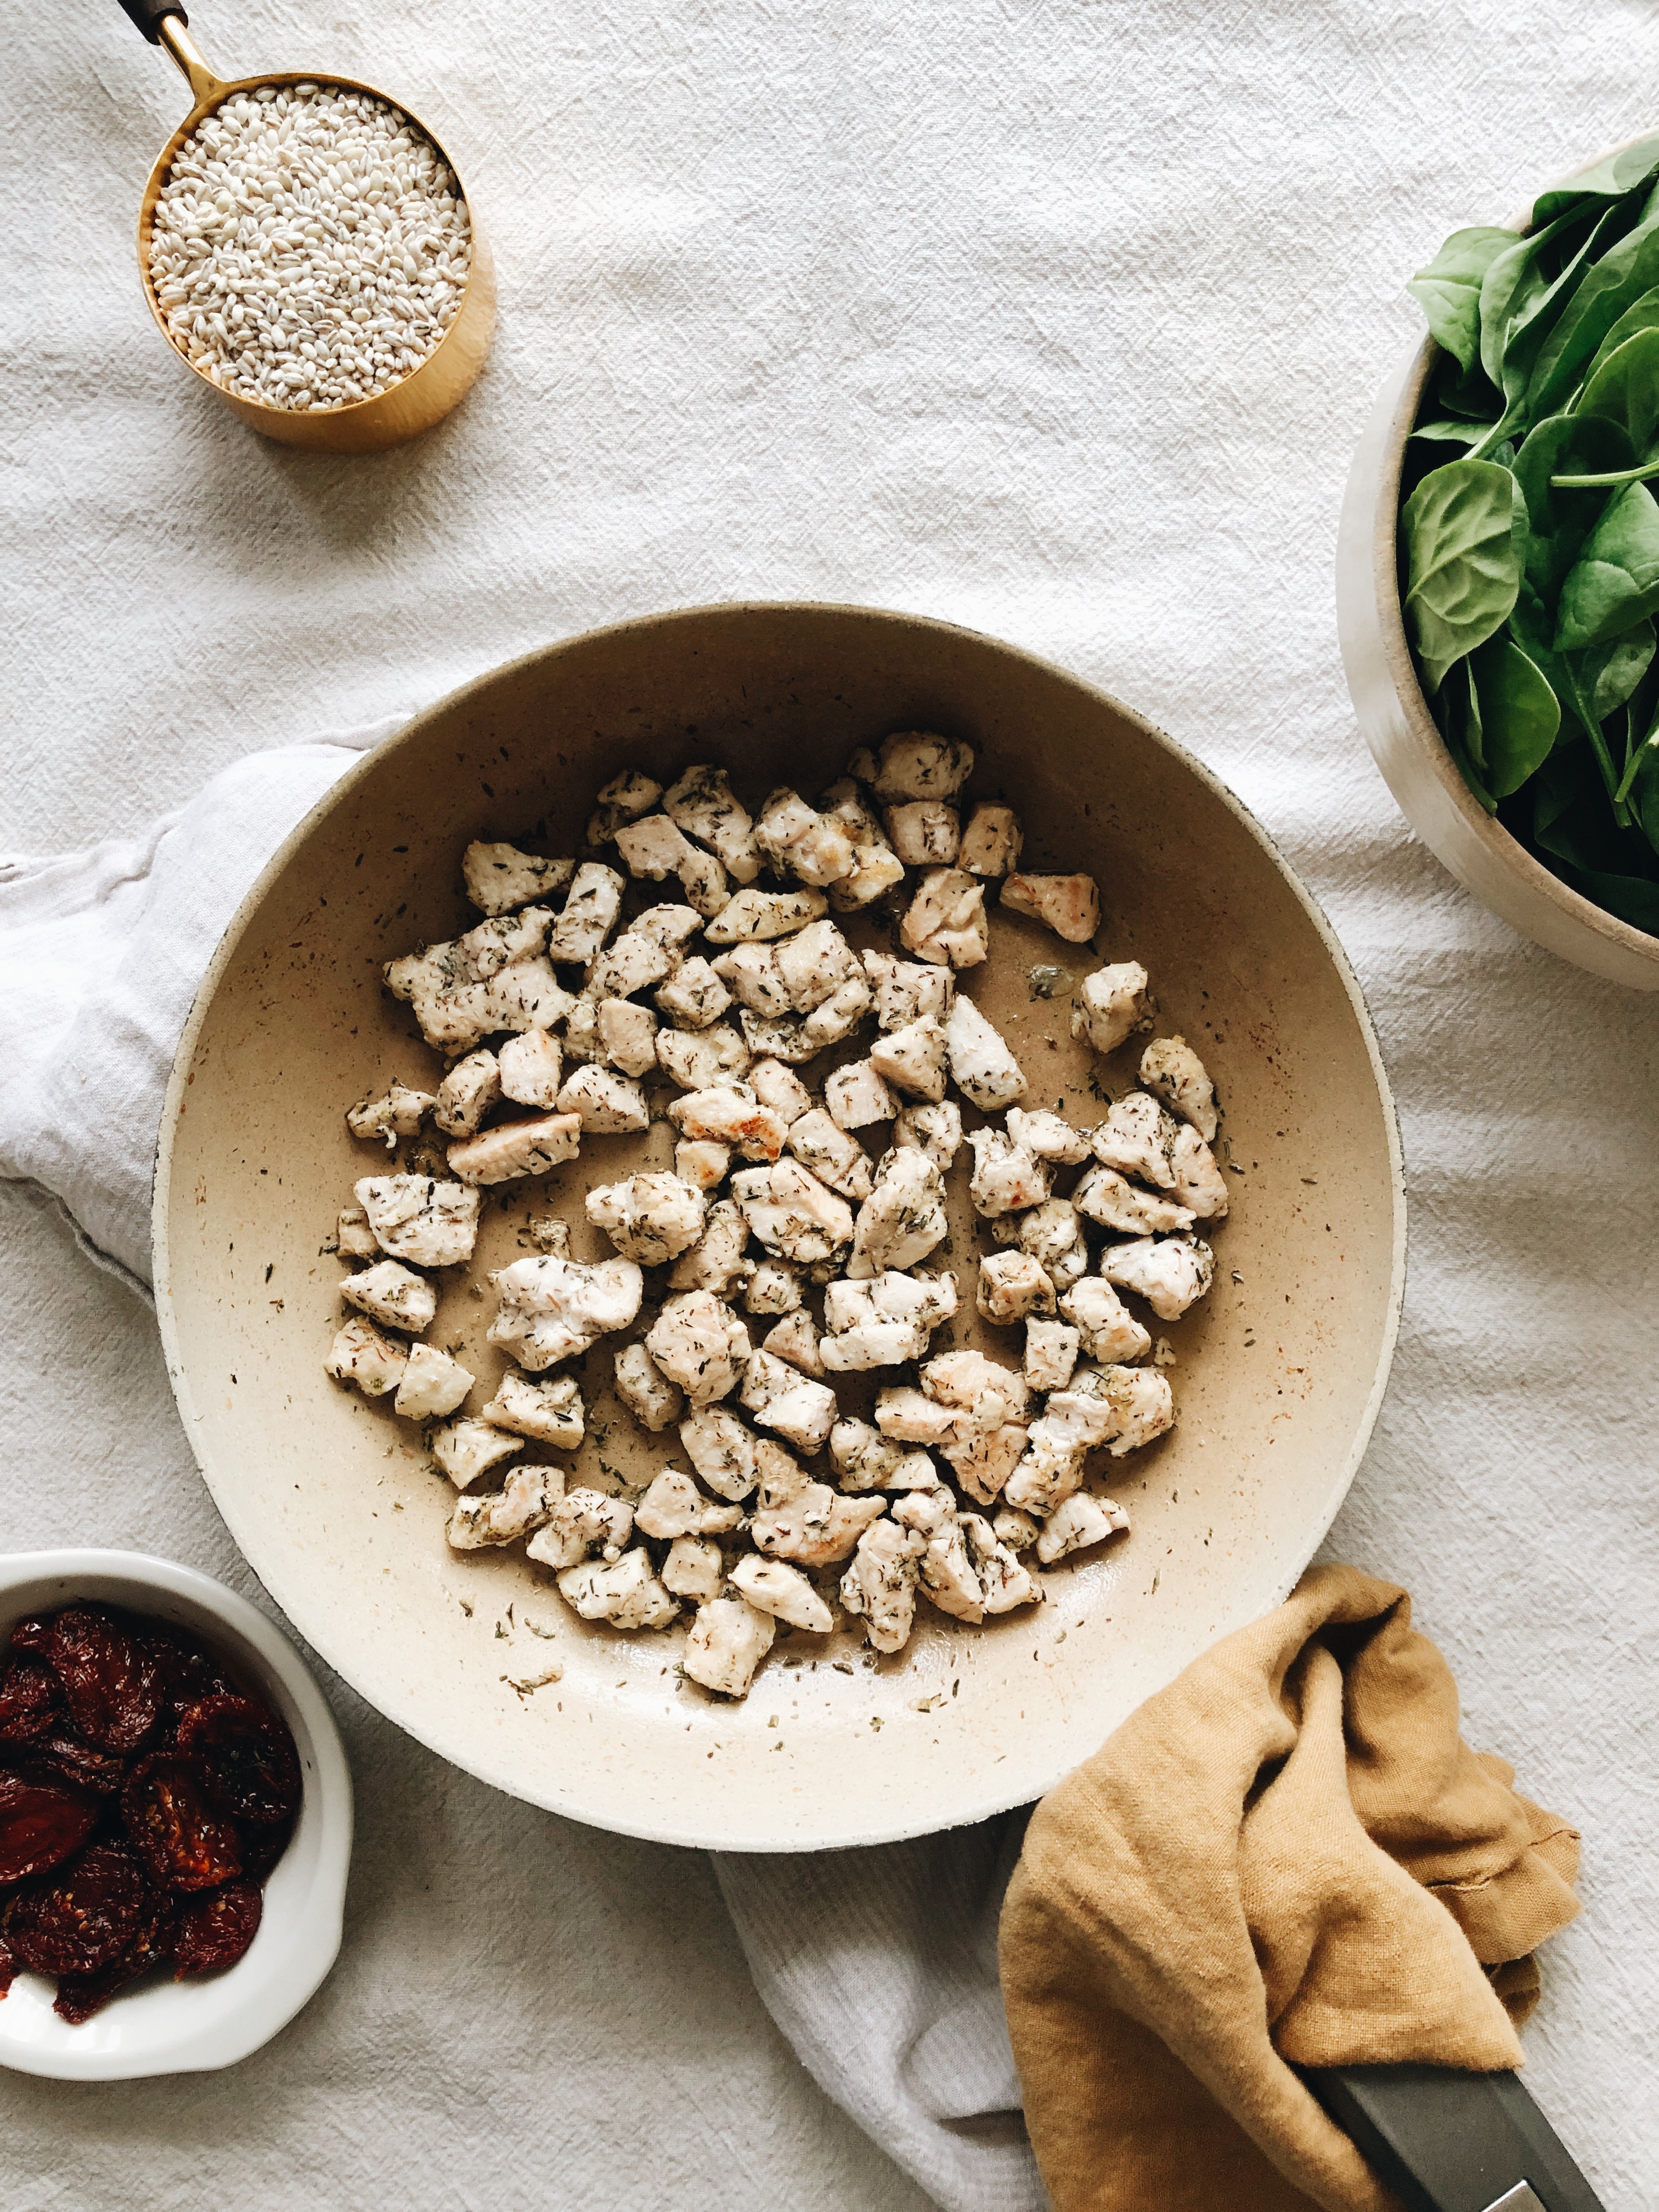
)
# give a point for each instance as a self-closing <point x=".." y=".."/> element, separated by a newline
<point x="151" y="1944"/>
<point x="186" y="1672"/>
<point x="42" y="1822"/>
<point x="99" y="1772"/>
<point x="8" y="1966"/>
<point x="183" y="1841"/>
<point x="32" y="1633"/>
<point x="263" y="1847"/>
<point x="83" y="1917"/>
<point x="251" y="1767"/>
<point x="214" y="1931"/>
<point x="29" y="1696"/>
<point x="109" y="1678"/>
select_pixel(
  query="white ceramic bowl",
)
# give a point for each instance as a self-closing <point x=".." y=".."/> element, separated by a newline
<point x="191" y="2028"/>
<point x="1396" y="722"/>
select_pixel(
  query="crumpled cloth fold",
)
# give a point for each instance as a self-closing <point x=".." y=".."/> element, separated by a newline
<point x="1288" y="1857"/>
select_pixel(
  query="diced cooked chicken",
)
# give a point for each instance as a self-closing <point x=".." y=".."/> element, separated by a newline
<point x="964" y="1379"/>
<point x="880" y="1585"/>
<point x="981" y="1066"/>
<point x="795" y="1039"/>
<point x="815" y="1528"/>
<point x="693" y="997"/>
<point x="1174" y="1073"/>
<point x="1053" y="1235"/>
<point x="700" y="1344"/>
<point x="866" y="1460"/>
<point x="903" y="1218"/>
<point x="1104" y="1324"/>
<point x="499" y="878"/>
<point x="1069" y="905"/>
<point x="925" y="833"/>
<point x="1050" y="1136"/>
<point x="581" y="1030"/>
<point x="646" y="1392"/>
<point x="414" y="1218"/>
<point x="814" y="964"/>
<point x="1170" y="1273"/>
<point x="674" y="1506"/>
<point x="908" y="991"/>
<point x="883" y="1321"/>
<point x="991" y="841"/>
<point x="362" y="1355"/>
<point x="581" y="1521"/>
<point x="944" y="1570"/>
<point x="917" y="765"/>
<point x="628" y="1594"/>
<point x="773" y="1587"/>
<point x="701" y="804"/>
<point x="1050" y="1469"/>
<point x="697" y="1060"/>
<point x="588" y="915"/>
<point x="1007" y="1178"/>
<point x="1005" y="1581"/>
<point x="750" y="972"/>
<point x="1012" y="1286"/>
<point x="721" y="1448"/>
<point x="530" y="1146"/>
<point x="652" y="1218"/>
<point x="1111" y="1005"/>
<point x="1017" y="1530"/>
<point x="855" y="1095"/>
<point x="1122" y="1407"/>
<point x="779" y="1088"/>
<point x="774" y="1288"/>
<point x="492" y="977"/>
<point x="466" y="1094"/>
<point x="671" y="927"/>
<point x="751" y="916"/>
<point x="913" y="1059"/>
<point x="801" y="1411"/>
<point x="352" y="1238"/>
<point x="651" y="847"/>
<point x="983" y="1464"/>
<point x="792" y="1213"/>
<point x="393" y="1295"/>
<point x="431" y="1385"/>
<point x="632" y="962"/>
<point x="725" y="1644"/>
<point x="1052" y="1352"/>
<point x="530" y="1066"/>
<point x="548" y="1232"/>
<point x="796" y="1339"/>
<point x="694" y="1568"/>
<point x="834" y="1157"/>
<point x="705" y="883"/>
<point x="624" y="799"/>
<point x="627" y="1036"/>
<point x="399" y="1112"/>
<point x="799" y="841"/>
<point x="731" y="1114"/>
<point x="934" y="1130"/>
<point x="1199" y="1182"/>
<point x="945" y="921"/>
<point x="715" y="1261"/>
<point x="777" y="1037"/>
<point x="701" y="1162"/>
<point x="1137" y="1138"/>
<point x="502" y="1516"/>
<point x="1078" y="1521"/>
<point x="550" y="1412"/>
<point x="875" y="866"/>
<point x="910" y="1417"/>
<point x="468" y="1448"/>
<point x="554" y="1310"/>
<point x="1106" y="1197"/>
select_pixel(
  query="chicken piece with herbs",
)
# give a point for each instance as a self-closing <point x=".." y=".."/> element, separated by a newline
<point x="925" y="833"/>
<point x="836" y="1159"/>
<point x="799" y="841"/>
<point x="467" y="1093"/>
<point x="991" y="841"/>
<point x="866" y="1459"/>
<point x="1104" y="1325"/>
<point x="1012" y="1286"/>
<point x="1138" y="1139"/>
<point x="549" y="1412"/>
<point x="647" y="1392"/>
<point x="499" y="878"/>
<point x="431" y="1385"/>
<point x="913" y="1059"/>
<point x="1053" y="1235"/>
<point x="918" y="764"/>
<point x="502" y="1516"/>
<point x="715" y="1261"/>
<point x="983" y="1066"/>
<point x="792" y="1213"/>
<point x="945" y="921"/>
<point x="1173" y="1073"/>
<point x="1170" y="1273"/>
<point x="363" y="1354"/>
<point x="801" y="1411"/>
<point x="553" y="1310"/>
<point x="628" y="1594"/>
<point x="650" y="1219"/>
<point x="399" y="1112"/>
<point x="1069" y="905"/>
<point x="1050" y="1136"/>
<point x="879" y="1586"/>
<point x="883" y="1321"/>
<point x="425" y="1222"/>
<point x="530" y="1067"/>
<point x="700" y="1345"/>
<point x="731" y="1114"/>
<point x="701" y="804"/>
<point x="1006" y="1178"/>
<point x="1111" y="1006"/>
<point x="393" y="1295"/>
<point x="1077" y="1523"/>
<point x="815" y="1528"/>
<point x="855" y="1096"/>
<point x="494" y="976"/>
<point x="772" y="1586"/>
<point x="752" y="916"/>
<point x="512" y="1150"/>
<point x="903" y="1218"/>
<point x="1116" y="1203"/>
<point x="933" y="1129"/>
<point x="725" y="1644"/>
<point x="582" y="1521"/>
<point x="877" y="868"/>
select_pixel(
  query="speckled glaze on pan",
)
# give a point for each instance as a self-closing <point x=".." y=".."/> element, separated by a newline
<point x="1280" y="1370"/>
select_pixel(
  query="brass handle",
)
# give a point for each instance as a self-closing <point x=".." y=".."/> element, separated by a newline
<point x="149" y="15"/>
<point x="164" y="23"/>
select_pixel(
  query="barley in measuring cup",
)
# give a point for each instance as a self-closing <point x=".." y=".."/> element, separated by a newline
<point x="309" y="247"/>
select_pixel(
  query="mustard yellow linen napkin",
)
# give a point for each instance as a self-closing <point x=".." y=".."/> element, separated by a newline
<point x="1288" y="1856"/>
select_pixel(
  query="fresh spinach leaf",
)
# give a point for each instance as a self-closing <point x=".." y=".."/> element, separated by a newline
<point x="1449" y="290"/>
<point x="1614" y="581"/>
<point x="1644" y="316"/>
<point x="1616" y="282"/>
<point x="1624" y="666"/>
<point x="1518" y="714"/>
<point x="1559" y="521"/>
<point x="1462" y="560"/>
<point x="1632" y="898"/>
<point x="1625" y="390"/>
<point x="1450" y="431"/>
<point x="1619" y="174"/>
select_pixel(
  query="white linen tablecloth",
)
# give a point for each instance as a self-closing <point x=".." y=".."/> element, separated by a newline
<point x="1059" y="321"/>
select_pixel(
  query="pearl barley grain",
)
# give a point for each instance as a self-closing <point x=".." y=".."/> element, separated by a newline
<point x="309" y="247"/>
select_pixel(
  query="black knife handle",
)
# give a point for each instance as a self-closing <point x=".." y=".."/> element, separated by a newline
<point x="1450" y="2141"/>
<point x="148" y="15"/>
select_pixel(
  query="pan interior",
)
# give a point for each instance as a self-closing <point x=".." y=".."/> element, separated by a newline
<point x="1278" y="1373"/>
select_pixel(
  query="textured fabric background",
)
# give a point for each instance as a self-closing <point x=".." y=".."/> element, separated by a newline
<point x="1059" y="321"/>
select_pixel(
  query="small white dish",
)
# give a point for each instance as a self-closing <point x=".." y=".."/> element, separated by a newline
<point x="165" y="2026"/>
